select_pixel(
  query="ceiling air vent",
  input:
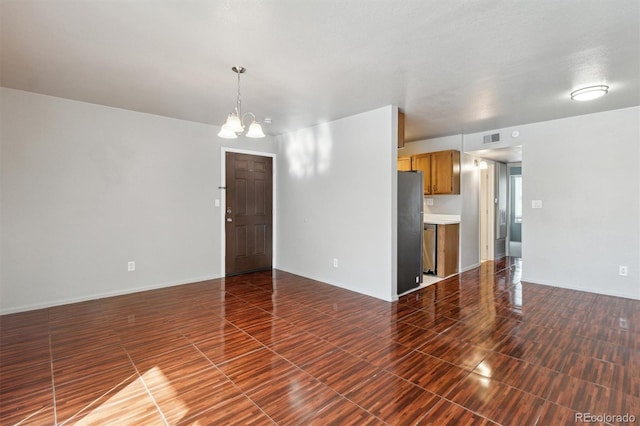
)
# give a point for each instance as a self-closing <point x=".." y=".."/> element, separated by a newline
<point x="493" y="138"/>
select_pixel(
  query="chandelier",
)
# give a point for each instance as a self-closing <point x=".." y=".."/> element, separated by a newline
<point x="234" y="125"/>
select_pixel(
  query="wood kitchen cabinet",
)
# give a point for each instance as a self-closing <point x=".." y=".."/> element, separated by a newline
<point x="404" y="164"/>
<point x="422" y="162"/>
<point x="447" y="249"/>
<point x="441" y="171"/>
<point x="445" y="172"/>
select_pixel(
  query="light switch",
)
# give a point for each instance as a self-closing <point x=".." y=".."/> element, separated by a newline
<point x="536" y="204"/>
<point x="216" y="203"/>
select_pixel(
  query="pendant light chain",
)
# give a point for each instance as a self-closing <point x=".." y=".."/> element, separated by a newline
<point x="239" y="100"/>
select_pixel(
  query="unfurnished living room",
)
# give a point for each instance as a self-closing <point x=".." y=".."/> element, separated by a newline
<point x="319" y="212"/>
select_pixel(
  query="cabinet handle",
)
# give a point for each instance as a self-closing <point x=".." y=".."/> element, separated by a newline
<point x="435" y="188"/>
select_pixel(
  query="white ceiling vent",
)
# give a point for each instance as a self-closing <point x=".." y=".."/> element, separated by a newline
<point x="492" y="138"/>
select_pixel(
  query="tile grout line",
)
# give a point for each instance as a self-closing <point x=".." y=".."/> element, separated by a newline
<point x="618" y="360"/>
<point x="469" y="372"/>
<point x="299" y="367"/>
<point x="462" y="407"/>
<point x="82" y="410"/>
<point x="231" y="381"/>
<point x="264" y="346"/>
<point x="146" y="388"/>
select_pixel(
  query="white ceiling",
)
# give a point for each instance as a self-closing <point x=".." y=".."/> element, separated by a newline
<point x="452" y="66"/>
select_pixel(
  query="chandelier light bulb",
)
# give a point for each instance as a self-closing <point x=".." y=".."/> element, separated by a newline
<point x="227" y="133"/>
<point x="255" y="130"/>
<point x="234" y="123"/>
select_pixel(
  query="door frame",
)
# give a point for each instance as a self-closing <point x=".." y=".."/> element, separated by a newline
<point x="487" y="215"/>
<point x="223" y="201"/>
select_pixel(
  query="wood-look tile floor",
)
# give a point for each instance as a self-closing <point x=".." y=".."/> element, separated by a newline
<point x="275" y="348"/>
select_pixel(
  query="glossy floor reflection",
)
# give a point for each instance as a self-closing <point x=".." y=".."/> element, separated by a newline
<point x="276" y="348"/>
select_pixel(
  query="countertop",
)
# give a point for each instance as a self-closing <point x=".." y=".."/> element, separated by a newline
<point x="441" y="219"/>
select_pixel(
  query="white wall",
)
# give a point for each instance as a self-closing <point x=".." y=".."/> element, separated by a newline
<point x="585" y="171"/>
<point x="337" y="199"/>
<point x="86" y="188"/>
<point x="469" y="213"/>
<point x="465" y="205"/>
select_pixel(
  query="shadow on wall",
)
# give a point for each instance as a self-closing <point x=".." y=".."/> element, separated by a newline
<point x="308" y="151"/>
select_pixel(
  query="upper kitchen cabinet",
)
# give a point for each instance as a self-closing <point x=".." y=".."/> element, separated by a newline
<point x="441" y="171"/>
<point x="401" y="130"/>
<point x="445" y="172"/>
<point x="404" y="164"/>
<point x="422" y="162"/>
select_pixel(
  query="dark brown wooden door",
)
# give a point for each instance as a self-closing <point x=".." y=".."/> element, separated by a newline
<point x="248" y="216"/>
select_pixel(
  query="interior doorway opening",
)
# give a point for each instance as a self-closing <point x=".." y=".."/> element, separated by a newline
<point x="500" y="202"/>
<point x="500" y="211"/>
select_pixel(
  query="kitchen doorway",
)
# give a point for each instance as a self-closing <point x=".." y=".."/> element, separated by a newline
<point x="248" y="212"/>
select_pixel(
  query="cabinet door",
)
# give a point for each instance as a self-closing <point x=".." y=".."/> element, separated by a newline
<point x="448" y="253"/>
<point x="404" y="164"/>
<point x="422" y="162"/>
<point x="445" y="173"/>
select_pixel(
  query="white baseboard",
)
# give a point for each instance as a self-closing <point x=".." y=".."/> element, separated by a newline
<point x="97" y="296"/>
<point x="335" y="284"/>
<point x="468" y="268"/>
<point x="586" y="290"/>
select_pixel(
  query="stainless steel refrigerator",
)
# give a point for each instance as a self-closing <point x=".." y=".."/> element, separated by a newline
<point x="410" y="228"/>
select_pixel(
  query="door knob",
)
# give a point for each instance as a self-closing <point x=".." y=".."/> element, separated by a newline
<point x="229" y="210"/>
<point x="229" y="219"/>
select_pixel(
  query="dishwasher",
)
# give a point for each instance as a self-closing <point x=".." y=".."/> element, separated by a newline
<point x="429" y="248"/>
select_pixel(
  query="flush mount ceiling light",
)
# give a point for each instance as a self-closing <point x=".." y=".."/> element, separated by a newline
<point x="234" y="125"/>
<point x="589" y="93"/>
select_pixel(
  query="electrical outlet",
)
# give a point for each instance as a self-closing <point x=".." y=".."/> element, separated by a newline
<point x="131" y="266"/>
<point x="429" y="201"/>
<point x="536" y="204"/>
<point x="335" y="263"/>
<point x="623" y="323"/>
<point x="623" y="271"/>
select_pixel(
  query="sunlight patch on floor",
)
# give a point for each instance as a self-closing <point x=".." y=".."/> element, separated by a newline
<point x="131" y="404"/>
